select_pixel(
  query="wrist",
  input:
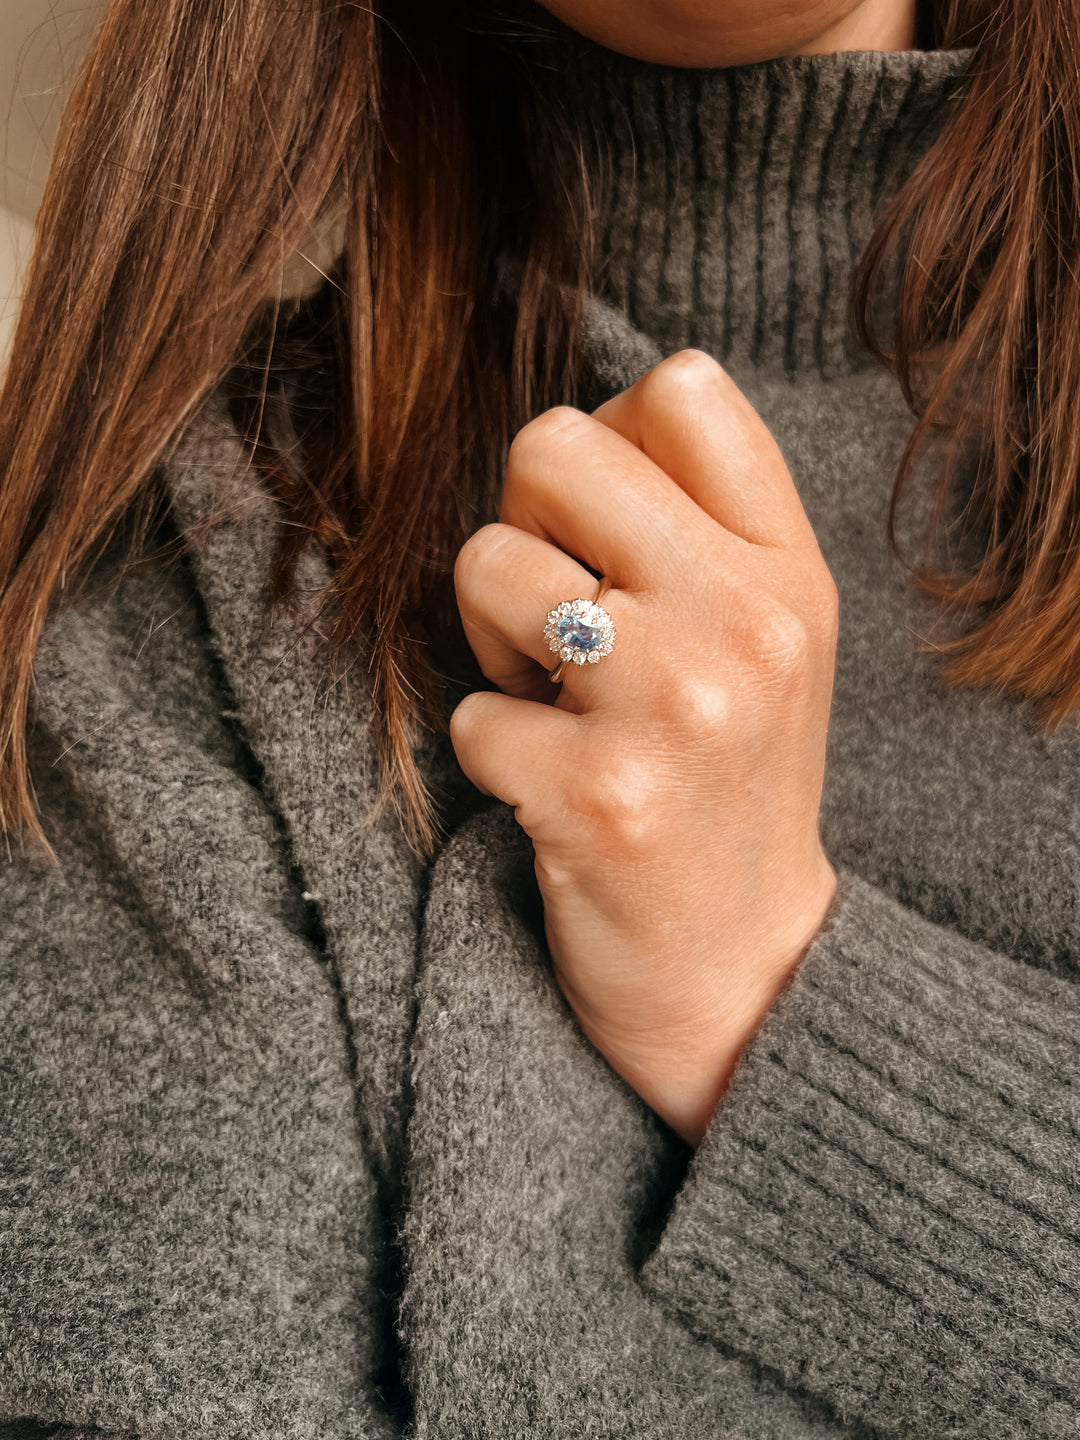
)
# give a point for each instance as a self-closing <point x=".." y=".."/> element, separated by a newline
<point x="682" y="1070"/>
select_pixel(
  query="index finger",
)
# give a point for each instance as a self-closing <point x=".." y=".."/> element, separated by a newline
<point x="578" y="484"/>
<point x="690" y="418"/>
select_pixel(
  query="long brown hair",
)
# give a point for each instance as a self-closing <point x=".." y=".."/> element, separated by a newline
<point x="203" y="141"/>
<point x="987" y="346"/>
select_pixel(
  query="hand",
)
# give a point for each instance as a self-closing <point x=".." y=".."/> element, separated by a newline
<point x="671" y="790"/>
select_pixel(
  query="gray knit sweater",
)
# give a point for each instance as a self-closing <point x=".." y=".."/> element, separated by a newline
<point x="300" y="1140"/>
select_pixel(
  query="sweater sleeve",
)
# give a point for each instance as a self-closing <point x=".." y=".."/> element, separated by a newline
<point x="886" y="1206"/>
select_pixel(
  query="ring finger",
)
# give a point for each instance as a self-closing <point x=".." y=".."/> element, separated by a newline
<point x="507" y="580"/>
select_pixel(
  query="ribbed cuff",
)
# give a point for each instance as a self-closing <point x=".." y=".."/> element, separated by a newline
<point x="886" y="1207"/>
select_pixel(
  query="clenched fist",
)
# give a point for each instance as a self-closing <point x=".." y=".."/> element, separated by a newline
<point x="671" y="790"/>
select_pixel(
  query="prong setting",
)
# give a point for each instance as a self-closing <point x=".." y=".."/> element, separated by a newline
<point x="580" y="632"/>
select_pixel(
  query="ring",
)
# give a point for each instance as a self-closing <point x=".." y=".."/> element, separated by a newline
<point x="579" y="631"/>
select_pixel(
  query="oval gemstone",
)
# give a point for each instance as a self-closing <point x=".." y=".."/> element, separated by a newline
<point x="578" y="633"/>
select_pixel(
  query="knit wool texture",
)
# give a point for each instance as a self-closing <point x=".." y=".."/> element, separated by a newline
<point x="301" y="1141"/>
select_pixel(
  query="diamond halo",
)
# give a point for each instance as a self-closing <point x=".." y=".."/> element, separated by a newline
<point x="579" y="632"/>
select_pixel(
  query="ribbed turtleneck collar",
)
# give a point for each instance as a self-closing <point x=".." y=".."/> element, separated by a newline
<point x="734" y="204"/>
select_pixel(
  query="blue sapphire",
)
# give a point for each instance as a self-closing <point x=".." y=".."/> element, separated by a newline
<point x="578" y="634"/>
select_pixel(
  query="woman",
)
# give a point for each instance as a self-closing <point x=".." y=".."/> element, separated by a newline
<point x="757" y="1114"/>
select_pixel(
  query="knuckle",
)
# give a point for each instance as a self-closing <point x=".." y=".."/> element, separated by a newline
<point x="683" y="376"/>
<point x="475" y="557"/>
<point x="623" y="804"/>
<point x="467" y="717"/>
<point x="784" y="642"/>
<point x="535" y="440"/>
<point x="555" y="870"/>
<point x="704" y="703"/>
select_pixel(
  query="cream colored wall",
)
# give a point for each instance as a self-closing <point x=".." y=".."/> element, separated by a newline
<point x="16" y="234"/>
<point x="41" y="45"/>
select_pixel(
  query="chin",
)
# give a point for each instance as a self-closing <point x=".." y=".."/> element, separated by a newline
<point x="716" y="33"/>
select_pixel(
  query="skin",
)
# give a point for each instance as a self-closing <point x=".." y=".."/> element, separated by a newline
<point x="738" y="32"/>
<point x="672" y="798"/>
<point x="677" y="852"/>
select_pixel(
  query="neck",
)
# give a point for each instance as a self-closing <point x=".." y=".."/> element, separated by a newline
<point x="871" y="25"/>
